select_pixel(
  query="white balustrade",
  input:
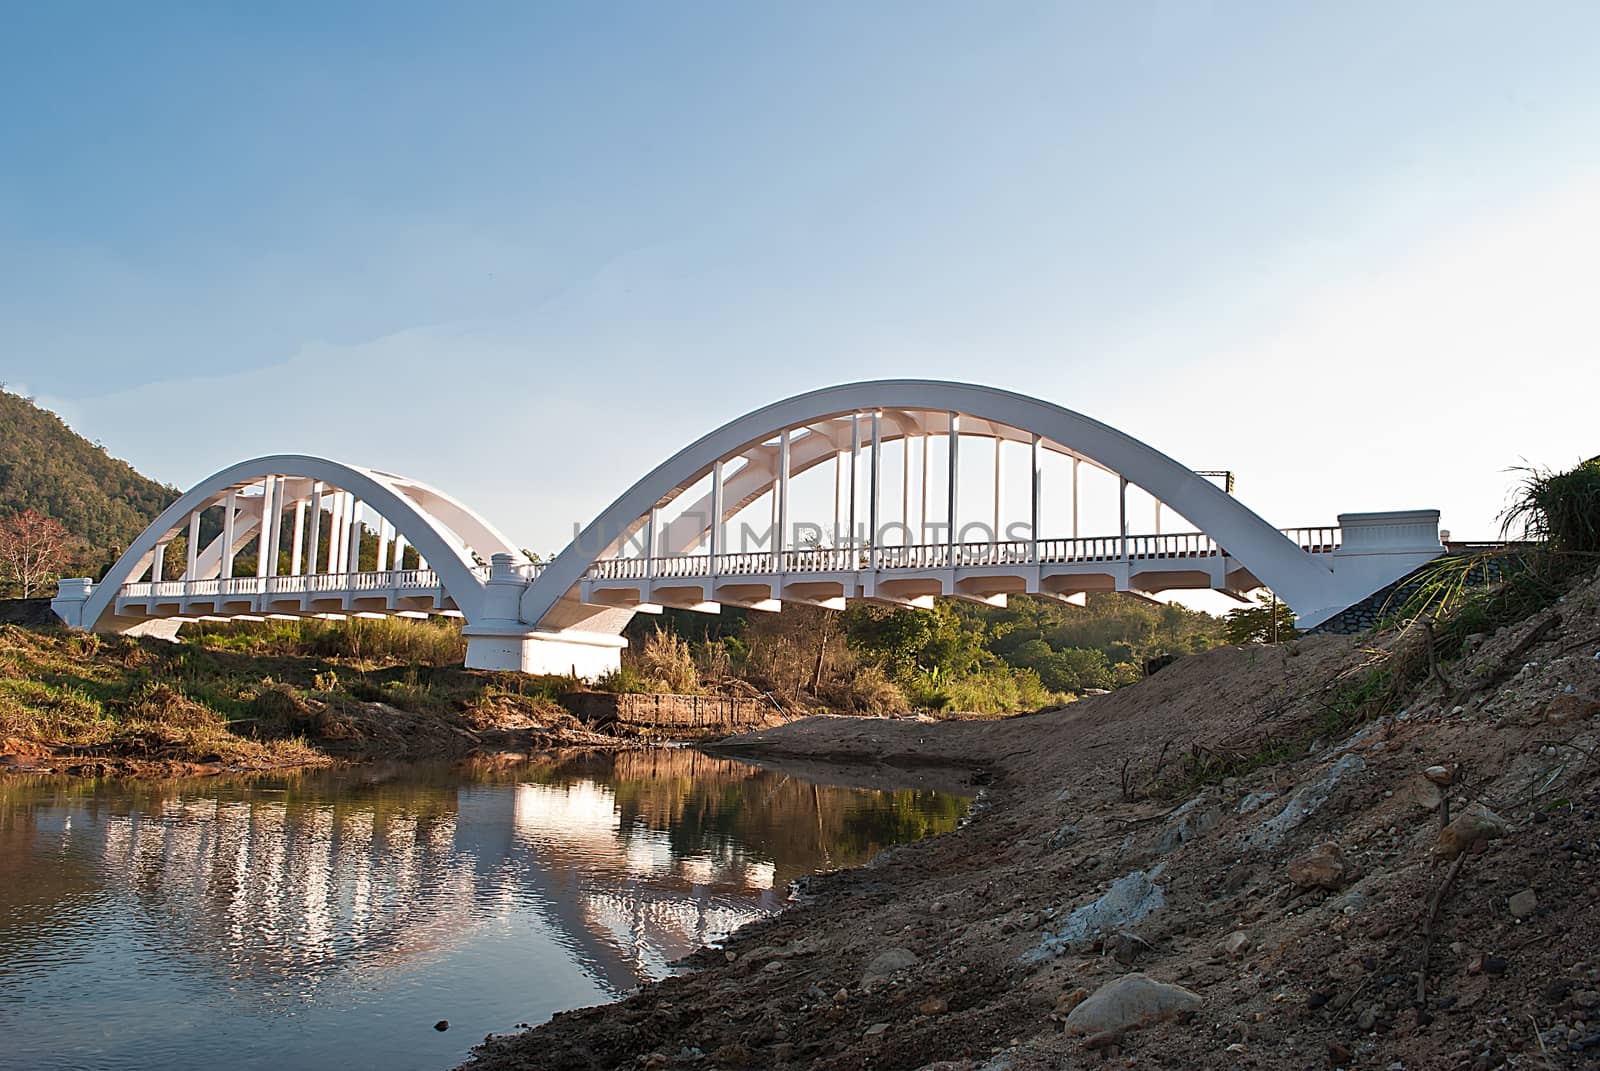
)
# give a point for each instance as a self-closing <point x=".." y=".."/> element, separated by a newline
<point x="1093" y="549"/>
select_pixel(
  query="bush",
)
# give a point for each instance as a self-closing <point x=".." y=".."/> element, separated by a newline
<point x="664" y="663"/>
<point x="867" y="691"/>
<point x="993" y="690"/>
<point x="1559" y="509"/>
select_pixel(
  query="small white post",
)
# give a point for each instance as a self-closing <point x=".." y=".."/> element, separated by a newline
<point x="780" y="541"/>
<point x="838" y="492"/>
<point x="905" y="481"/>
<point x="1075" y="463"/>
<point x="335" y="531"/>
<point x="874" y="514"/>
<point x="855" y="463"/>
<point x="353" y="561"/>
<point x="1123" y="513"/>
<point x="263" y="538"/>
<point x="315" y="535"/>
<point x="994" y="532"/>
<point x="927" y="443"/>
<point x="955" y="469"/>
<point x="273" y="518"/>
<point x="383" y="545"/>
<point x="193" y="547"/>
<point x="650" y="542"/>
<point x="716" y="516"/>
<point x="298" y="546"/>
<point x="229" y="504"/>
<point x="1033" y="508"/>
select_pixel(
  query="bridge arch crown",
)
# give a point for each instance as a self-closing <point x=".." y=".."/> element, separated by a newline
<point x="327" y="507"/>
<point x="770" y="446"/>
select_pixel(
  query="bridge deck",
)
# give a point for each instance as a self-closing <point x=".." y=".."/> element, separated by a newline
<point x="420" y="591"/>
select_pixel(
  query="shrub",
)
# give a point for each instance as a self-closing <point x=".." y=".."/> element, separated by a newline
<point x="866" y="691"/>
<point x="666" y="664"/>
<point x="1559" y="509"/>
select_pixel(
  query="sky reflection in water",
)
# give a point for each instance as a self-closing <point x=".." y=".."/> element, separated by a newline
<point x="328" y="920"/>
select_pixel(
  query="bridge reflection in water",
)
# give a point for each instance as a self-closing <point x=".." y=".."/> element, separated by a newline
<point x="329" y="920"/>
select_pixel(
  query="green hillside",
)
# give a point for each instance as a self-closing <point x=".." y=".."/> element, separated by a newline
<point x="47" y="467"/>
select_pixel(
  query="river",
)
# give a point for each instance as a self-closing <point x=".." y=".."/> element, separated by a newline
<point x="329" y="920"/>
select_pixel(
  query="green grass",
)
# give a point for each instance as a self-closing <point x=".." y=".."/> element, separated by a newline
<point x="239" y="694"/>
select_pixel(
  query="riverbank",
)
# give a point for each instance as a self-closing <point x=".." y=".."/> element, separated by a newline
<point x="98" y="706"/>
<point x="1214" y="867"/>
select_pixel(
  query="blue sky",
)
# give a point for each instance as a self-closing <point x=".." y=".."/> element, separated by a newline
<point x="526" y="251"/>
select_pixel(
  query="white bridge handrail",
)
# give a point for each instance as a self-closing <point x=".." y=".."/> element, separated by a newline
<point x="1143" y="547"/>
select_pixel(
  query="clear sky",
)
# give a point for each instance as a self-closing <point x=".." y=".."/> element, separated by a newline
<point x="526" y="251"/>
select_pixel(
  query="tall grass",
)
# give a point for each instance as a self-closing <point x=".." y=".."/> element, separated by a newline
<point x="434" y="642"/>
<point x="1559" y="509"/>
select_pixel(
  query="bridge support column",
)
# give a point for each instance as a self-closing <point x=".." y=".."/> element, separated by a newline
<point x="502" y="642"/>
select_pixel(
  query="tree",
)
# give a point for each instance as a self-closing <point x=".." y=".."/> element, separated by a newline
<point x="33" y="548"/>
<point x="1269" y="621"/>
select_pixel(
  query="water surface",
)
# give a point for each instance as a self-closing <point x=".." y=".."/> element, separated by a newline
<point x="329" y="920"/>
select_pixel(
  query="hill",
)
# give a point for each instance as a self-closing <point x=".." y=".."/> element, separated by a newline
<point x="47" y="467"/>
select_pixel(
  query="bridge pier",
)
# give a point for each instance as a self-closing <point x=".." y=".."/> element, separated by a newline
<point x="519" y="648"/>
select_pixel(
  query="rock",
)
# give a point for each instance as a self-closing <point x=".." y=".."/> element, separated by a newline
<point x="1236" y="944"/>
<point x="1130" y="898"/>
<point x="1427" y="795"/>
<point x="442" y="1025"/>
<point x="771" y="968"/>
<point x="1105" y="1039"/>
<point x="1194" y="819"/>
<point x="1440" y="775"/>
<point x="732" y="1055"/>
<point x="1323" y="867"/>
<point x="1476" y="823"/>
<point x="934" y="1006"/>
<point x="1128" y="947"/>
<point x="1339" y="1053"/>
<point x="1350" y="903"/>
<point x="1523" y="903"/>
<point x="886" y="963"/>
<point x="1367" y="1019"/>
<point x="1065" y="1001"/>
<point x="1254" y="800"/>
<point x="1568" y="708"/>
<point x="1306" y="801"/>
<point x="876" y="1030"/>
<point x="1129" y="1002"/>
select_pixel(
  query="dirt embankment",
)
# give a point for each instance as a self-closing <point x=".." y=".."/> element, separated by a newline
<point x="1299" y="914"/>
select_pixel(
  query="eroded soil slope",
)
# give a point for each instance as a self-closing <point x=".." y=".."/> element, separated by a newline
<point x="1305" y="902"/>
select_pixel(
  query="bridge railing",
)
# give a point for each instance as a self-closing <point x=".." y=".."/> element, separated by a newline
<point x="313" y="584"/>
<point x="1321" y="540"/>
<point x="1142" y="547"/>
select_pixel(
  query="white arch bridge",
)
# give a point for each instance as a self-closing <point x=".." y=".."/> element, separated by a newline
<point x="896" y="492"/>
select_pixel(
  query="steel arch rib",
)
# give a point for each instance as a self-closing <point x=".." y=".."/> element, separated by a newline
<point x="383" y="492"/>
<point x="1270" y="556"/>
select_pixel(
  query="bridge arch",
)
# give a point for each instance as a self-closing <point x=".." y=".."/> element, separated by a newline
<point x="551" y="600"/>
<point x="455" y="541"/>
